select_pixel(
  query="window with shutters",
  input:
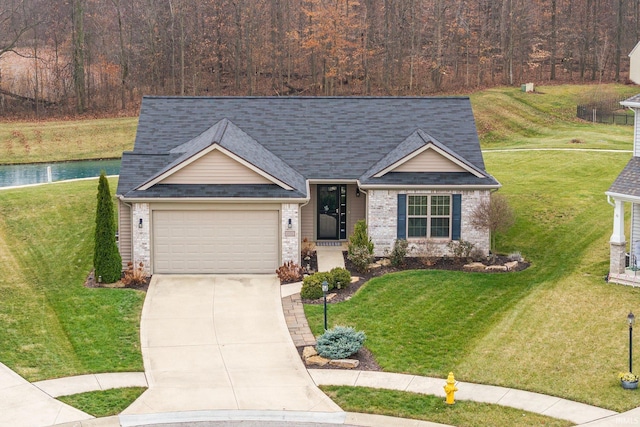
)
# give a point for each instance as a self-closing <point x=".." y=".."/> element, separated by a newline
<point x="429" y="216"/>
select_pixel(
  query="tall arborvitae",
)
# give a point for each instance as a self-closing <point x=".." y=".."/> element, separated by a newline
<point x="106" y="257"/>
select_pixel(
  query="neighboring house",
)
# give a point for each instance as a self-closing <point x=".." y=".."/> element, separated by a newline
<point x="624" y="261"/>
<point x="233" y="185"/>
<point x="634" y="64"/>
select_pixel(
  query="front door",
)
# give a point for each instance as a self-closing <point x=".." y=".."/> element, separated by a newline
<point x="332" y="212"/>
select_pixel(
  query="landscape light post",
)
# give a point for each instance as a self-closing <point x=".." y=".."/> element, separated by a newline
<point x="630" y="319"/>
<point x="325" y="289"/>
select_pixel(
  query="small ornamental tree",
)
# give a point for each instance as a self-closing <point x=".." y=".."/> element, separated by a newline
<point x="106" y="257"/>
<point x="495" y="215"/>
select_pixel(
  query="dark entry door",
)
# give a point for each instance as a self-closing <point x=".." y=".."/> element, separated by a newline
<point x="332" y="212"/>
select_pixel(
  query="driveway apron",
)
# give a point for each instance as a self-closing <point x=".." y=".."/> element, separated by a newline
<point x="221" y="342"/>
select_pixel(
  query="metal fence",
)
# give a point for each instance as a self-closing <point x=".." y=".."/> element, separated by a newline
<point x="592" y="114"/>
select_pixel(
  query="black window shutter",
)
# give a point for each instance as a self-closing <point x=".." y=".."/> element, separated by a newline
<point x="456" y="216"/>
<point x="402" y="216"/>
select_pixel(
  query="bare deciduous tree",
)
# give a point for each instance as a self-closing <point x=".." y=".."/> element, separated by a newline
<point x="493" y="214"/>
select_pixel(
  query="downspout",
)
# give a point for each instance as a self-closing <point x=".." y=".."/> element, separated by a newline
<point x="609" y="201"/>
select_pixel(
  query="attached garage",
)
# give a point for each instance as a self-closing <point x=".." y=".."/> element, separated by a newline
<point x="215" y="241"/>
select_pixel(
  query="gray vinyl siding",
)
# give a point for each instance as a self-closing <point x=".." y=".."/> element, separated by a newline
<point x="124" y="233"/>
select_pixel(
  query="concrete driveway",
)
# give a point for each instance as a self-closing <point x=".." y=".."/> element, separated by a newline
<point x="221" y="342"/>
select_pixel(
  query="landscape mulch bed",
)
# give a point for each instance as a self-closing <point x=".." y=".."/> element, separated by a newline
<point x="410" y="263"/>
<point x="92" y="283"/>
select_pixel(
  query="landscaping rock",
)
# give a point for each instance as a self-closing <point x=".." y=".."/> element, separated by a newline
<point x="511" y="265"/>
<point x="345" y="363"/>
<point x="308" y="352"/>
<point x="331" y="296"/>
<point x="385" y="262"/>
<point x="317" y="360"/>
<point x="475" y="266"/>
<point x="497" y="268"/>
<point x="371" y="266"/>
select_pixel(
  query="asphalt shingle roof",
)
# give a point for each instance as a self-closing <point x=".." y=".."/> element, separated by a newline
<point x="317" y="138"/>
<point x="628" y="182"/>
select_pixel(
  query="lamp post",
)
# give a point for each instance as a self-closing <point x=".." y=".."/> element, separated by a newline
<point x="325" y="289"/>
<point x="630" y="319"/>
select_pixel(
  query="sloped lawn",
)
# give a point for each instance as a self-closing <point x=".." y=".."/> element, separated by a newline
<point x="555" y="328"/>
<point x="50" y="324"/>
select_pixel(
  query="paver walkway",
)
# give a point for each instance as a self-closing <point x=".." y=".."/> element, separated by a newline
<point x="220" y="342"/>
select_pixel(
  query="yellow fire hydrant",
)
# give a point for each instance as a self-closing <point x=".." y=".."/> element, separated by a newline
<point x="450" y="388"/>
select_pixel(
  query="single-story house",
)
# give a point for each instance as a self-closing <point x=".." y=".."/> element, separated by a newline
<point x="624" y="264"/>
<point x="234" y="184"/>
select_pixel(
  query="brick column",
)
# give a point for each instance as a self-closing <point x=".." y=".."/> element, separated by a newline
<point x="617" y="258"/>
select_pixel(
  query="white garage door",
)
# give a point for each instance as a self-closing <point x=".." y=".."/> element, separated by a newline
<point x="215" y="241"/>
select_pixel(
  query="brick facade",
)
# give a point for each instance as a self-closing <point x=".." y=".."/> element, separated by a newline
<point x="141" y="239"/>
<point x="290" y="245"/>
<point x="382" y="219"/>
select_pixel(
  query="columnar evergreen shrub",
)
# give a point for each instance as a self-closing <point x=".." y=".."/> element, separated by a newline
<point x="106" y="257"/>
<point x="360" y="238"/>
<point x="360" y="248"/>
<point x="340" y="342"/>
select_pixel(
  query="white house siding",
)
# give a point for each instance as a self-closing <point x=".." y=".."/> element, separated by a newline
<point x="290" y="236"/>
<point x="635" y="228"/>
<point x="382" y="214"/>
<point x="636" y="127"/>
<point x="634" y="64"/>
<point x="141" y="236"/>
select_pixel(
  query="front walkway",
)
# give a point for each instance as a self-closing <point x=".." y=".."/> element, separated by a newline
<point x="220" y="343"/>
<point x="23" y="404"/>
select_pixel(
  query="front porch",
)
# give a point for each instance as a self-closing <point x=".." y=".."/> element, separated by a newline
<point x="629" y="277"/>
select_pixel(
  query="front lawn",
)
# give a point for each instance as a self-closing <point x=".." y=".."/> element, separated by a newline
<point x="50" y="324"/>
<point x="431" y="408"/>
<point x="555" y="328"/>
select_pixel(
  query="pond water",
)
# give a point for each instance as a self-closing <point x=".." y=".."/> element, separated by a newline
<point x="16" y="175"/>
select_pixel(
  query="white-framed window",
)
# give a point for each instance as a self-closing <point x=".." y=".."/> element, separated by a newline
<point x="429" y="216"/>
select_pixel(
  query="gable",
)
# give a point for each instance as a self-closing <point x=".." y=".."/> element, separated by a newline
<point x="215" y="167"/>
<point x="429" y="161"/>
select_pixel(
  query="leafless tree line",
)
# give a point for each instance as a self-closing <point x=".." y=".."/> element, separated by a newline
<point x="101" y="55"/>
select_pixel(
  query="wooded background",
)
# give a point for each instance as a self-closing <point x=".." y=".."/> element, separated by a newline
<point x="102" y="55"/>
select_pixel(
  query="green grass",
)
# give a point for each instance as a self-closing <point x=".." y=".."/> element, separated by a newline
<point x="555" y="328"/>
<point x="50" y="324"/>
<point x="431" y="408"/>
<point x="509" y="118"/>
<point x="104" y="403"/>
<point x="30" y="142"/>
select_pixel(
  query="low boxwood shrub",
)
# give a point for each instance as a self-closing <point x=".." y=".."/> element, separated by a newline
<point x="312" y="285"/>
<point x="340" y="342"/>
<point x="340" y="278"/>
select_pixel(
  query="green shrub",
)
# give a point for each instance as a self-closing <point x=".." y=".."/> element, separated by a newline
<point x="460" y="248"/>
<point x="312" y="285"/>
<point x="399" y="252"/>
<point x="361" y="258"/>
<point x="340" y="278"/>
<point x="340" y="342"/>
<point x="106" y="257"/>
<point x="360" y="238"/>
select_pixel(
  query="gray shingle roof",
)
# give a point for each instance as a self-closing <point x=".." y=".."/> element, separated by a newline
<point x="628" y="182"/>
<point x="317" y="138"/>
